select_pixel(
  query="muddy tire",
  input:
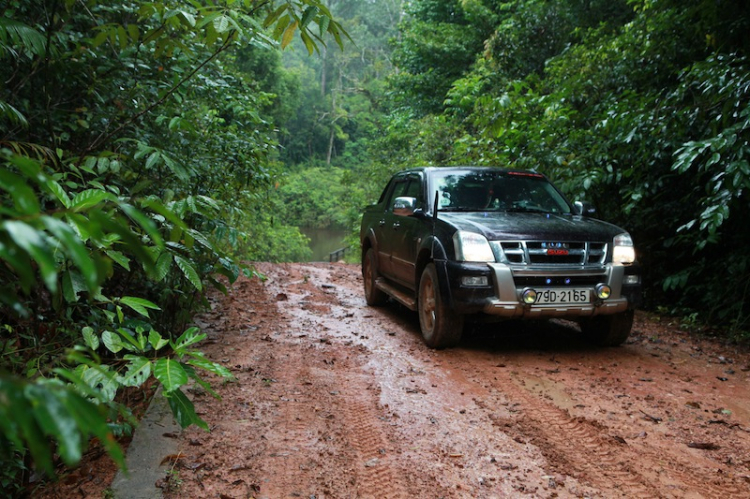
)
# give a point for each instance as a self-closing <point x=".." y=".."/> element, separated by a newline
<point x="373" y="295"/>
<point x="608" y="330"/>
<point x="441" y="327"/>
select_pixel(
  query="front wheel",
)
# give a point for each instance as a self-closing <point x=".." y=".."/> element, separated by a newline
<point x="608" y="330"/>
<point x="441" y="327"/>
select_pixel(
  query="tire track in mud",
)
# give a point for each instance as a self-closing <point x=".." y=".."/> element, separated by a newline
<point x="376" y="474"/>
<point x="600" y="459"/>
<point x="646" y="470"/>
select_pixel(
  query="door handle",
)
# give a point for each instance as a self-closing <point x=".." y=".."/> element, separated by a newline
<point x="382" y="222"/>
<point x="396" y="225"/>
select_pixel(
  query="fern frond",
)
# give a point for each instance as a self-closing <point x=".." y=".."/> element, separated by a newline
<point x="12" y="114"/>
<point x="30" y="150"/>
<point x="17" y="38"/>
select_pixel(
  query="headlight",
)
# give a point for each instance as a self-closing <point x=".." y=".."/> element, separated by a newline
<point x="472" y="247"/>
<point x="623" y="252"/>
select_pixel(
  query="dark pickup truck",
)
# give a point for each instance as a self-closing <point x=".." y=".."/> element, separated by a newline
<point x="487" y="243"/>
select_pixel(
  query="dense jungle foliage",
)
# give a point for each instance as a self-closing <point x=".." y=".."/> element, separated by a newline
<point x="147" y="148"/>
<point x="137" y="153"/>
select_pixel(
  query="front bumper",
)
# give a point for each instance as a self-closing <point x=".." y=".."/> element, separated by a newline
<point x="501" y="297"/>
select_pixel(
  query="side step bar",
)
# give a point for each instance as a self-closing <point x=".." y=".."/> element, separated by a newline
<point x="397" y="294"/>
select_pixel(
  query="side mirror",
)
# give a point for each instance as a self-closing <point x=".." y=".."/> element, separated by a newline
<point x="404" y="206"/>
<point x="584" y="208"/>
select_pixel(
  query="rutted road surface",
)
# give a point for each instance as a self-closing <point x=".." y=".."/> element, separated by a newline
<point x="335" y="399"/>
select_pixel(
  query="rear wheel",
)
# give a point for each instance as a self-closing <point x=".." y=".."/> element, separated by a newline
<point x="441" y="327"/>
<point x="608" y="330"/>
<point x="373" y="295"/>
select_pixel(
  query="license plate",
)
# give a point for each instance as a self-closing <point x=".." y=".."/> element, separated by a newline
<point x="567" y="295"/>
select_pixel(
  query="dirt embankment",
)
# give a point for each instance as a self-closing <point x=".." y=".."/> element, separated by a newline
<point x="339" y="400"/>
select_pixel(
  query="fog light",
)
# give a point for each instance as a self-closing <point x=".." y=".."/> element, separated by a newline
<point x="474" y="280"/>
<point x="528" y="296"/>
<point x="632" y="280"/>
<point x="603" y="291"/>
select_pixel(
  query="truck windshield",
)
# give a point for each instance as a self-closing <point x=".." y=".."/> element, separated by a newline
<point x="497" y="191"/>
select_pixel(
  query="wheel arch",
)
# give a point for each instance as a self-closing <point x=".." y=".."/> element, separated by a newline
<point x="368" y="242"/>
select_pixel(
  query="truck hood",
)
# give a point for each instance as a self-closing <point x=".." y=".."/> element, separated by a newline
<point x="513" y="226"/>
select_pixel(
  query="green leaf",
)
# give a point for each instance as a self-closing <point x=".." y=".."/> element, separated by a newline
<point x="140" y="305"/>
<point x="202" y="239"/>
<point x="133" y="343"/>
<point x="56" y="421"/>
<point x="89" y="198"/>
<point x="271" y="18"/>
<point x="163" y="263"/>
<point x="118" y="257"/>
<point x="30" y="240"/>
<point x="19" y="427"/>
<point x="184" y="410"/>
<point x="24" y="197"/>
<point x="60" y="193"/>
<point x="157" y="206"/>
<point x="221" y="24"/>
<point x="203" y="383"/>
<point x="90" y="338"/>
<point x="198" y="360"/>
<point x="189" y="271"/>
<point x="75" y="248"/>
<point x="323" y="23"/>
<point x="91" y="420"/>
<point x="309" y="15"/>
<point x="102" y="380"/>
<point x="72" y="285"/>
<point x="112" y="341"/>
<point x="190" y="337"/>
<point x="281" y="25"/>
<point x="146" y="223"/>
<point x="156" y="340"/>
<point x="309" y="43"/>
<point x="139" y="370"/>
<point x="170" y="374"/>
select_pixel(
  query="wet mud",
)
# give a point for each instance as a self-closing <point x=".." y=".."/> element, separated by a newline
<point x="335" y="399"/>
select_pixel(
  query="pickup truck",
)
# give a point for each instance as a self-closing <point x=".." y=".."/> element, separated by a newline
<point x="478" y="243"/>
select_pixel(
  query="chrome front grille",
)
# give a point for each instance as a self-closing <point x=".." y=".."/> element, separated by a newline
<point x="551" y="253"/>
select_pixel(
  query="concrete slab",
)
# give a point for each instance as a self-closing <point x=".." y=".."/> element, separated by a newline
<point x="147" y="451"/>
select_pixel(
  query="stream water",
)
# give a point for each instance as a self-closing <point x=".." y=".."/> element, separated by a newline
<point x="324" y="241"/>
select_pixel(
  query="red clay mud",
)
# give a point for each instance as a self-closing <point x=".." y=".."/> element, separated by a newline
<point x="339" y="400"/>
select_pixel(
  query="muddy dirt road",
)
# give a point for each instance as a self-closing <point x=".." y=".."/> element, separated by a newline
<point x="335" y="399"/>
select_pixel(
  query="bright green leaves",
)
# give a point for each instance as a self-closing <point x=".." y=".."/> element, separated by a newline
<point x="720" y="160"/>
<point x="218" y="25"/>
<point x="170" y="374"/>
<point x="189" y="272"/>
<point x="52" y="411"/>
<point x="184" y="410"/>
<point x="140" y="305"/>
<point x="33" y="246"/>
<point x="73" y="244"/>
<point x="20" y="40"/>
<point x="292" y="17"/>
<point x="173" y="372"/>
